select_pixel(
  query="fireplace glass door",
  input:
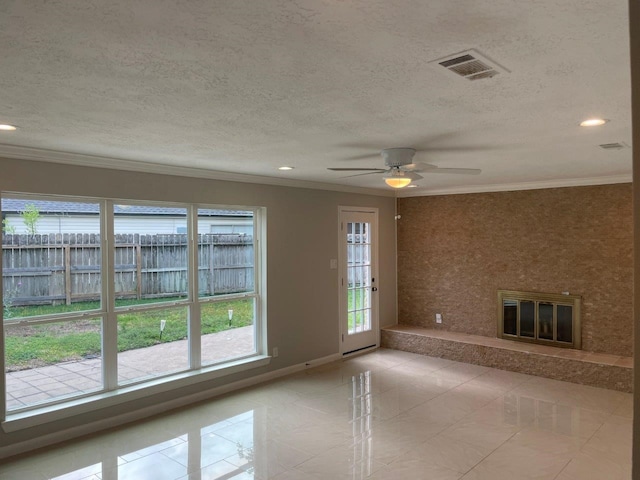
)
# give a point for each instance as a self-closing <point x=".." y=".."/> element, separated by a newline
<point x="549" y="319"/>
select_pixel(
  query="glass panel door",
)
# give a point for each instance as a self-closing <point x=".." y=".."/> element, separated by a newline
<point x="358" y="281"/>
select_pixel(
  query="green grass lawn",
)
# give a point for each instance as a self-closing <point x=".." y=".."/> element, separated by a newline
<point x="357" y="316"/>
<point x="34" y="310"/>
<point x="45" y="345"/>
<point x="39" y="345"/>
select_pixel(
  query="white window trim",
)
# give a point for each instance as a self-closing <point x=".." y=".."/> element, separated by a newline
<point x="112" y="393"/>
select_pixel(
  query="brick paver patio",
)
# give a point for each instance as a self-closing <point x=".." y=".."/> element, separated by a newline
<point x="27" y="387"/>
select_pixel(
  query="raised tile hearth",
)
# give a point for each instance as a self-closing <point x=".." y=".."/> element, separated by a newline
<point x="577" y="366"/>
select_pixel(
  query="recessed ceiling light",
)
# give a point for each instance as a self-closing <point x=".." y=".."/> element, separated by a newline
<point x="593" y="122"/>
<point x="8" y="128"/>
<point x="285" y="168"/>
<point x="413" y="185"/>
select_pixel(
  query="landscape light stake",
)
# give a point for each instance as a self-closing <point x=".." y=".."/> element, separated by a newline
<point x="162" y="325"/>
<point x="230" y="316"/>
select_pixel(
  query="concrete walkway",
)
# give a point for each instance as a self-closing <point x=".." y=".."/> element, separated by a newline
<point x="36" y="385"/>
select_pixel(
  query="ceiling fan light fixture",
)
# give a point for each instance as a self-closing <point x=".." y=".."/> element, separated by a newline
<point x="397" y="182"/>
<point x="397" y="179"/>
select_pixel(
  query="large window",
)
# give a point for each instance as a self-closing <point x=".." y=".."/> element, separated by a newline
<point x="138" y="292"/>
<point x="226" y="290"/>
<point x="52" y="310"/>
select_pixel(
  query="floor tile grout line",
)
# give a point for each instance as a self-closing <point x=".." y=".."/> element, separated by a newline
<point x="563" y="468"/>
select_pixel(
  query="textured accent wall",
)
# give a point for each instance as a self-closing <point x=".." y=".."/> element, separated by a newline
<point x="456" y="251"/>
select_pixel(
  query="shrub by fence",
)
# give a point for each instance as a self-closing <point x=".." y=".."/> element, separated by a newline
<point x="64" y="268"/>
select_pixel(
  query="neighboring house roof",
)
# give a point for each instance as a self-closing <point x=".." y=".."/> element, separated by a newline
<point x="13" y="205"/>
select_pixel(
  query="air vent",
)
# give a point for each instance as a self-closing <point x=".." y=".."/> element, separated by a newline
<point x="613" y="146"/>
<point x="471" y="65"/>
<point x="481" y="75"/>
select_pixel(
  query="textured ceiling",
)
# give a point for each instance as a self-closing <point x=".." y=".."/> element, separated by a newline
<point x="246" y="86"/>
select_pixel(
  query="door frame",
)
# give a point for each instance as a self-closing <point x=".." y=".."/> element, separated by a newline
<point x="342" y="269"/>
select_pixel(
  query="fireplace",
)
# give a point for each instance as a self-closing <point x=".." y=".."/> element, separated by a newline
<point x="545" y="318"/>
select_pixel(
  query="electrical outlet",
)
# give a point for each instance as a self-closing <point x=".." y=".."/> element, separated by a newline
<point x="275" y="352"/>
<point x="438" y="318"/>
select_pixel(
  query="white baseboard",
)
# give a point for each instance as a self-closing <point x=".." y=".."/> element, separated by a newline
<point x="139" y="414"/>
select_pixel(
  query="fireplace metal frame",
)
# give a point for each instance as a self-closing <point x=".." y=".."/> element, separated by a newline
<point x="573" y="301"/>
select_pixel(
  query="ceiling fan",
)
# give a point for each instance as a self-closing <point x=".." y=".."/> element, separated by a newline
<point x="401" y="170"/>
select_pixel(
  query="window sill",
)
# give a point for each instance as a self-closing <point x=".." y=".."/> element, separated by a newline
<point x="51" y="413"/>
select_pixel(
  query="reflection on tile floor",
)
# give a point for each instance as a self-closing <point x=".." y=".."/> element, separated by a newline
<point x="384" y="415"/>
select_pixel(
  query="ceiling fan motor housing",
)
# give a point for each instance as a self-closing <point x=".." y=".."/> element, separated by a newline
<point x="396" y="157"/>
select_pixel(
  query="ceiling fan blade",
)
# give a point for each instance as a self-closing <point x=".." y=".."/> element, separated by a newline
<point x="368" y="173"/>
<point x="357" y="169"/>
<point x="413" y="176"/>
<point x="418" y="167"/>
<point x="463" y="171"/>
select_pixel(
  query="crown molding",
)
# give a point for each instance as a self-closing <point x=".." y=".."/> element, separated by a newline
<point x="68" y="158"/>
<point x="508" y="187"/>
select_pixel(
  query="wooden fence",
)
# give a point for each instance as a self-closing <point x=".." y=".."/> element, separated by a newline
<point x="65" y="268"/>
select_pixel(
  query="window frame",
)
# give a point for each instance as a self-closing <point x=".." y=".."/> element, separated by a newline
<point x="113" y="392"/>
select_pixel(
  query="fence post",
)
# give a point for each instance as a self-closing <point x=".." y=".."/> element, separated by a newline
<point x="212" y="272"/>
<point x="139" y="270"/>
<point x="67" y="273"/>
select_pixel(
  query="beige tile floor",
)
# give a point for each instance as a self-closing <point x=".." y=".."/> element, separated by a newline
<point x="383" y="415"/>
